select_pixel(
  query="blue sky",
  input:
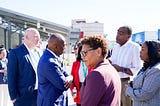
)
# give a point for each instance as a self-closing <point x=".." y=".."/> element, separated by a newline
<point x="141" y="15"/>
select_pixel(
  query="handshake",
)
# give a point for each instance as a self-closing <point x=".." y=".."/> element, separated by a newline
<point x="68" y="81"/>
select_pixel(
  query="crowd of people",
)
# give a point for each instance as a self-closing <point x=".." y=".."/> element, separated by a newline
<point x="127" y="76"/>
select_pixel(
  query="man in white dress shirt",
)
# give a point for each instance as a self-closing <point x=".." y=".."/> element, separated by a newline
<point x="126" y="59"/>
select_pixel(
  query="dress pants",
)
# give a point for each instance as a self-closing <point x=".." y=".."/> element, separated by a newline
<point x="125" y="100"/>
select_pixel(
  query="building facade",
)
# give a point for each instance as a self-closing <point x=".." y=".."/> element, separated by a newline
<point x="88" y="28"/>
<point x="141" y="37"/>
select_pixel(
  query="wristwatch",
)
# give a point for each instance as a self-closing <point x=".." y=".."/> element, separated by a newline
<point x="124" y="70"/>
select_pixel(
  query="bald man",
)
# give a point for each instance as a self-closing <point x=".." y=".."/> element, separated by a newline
<point x="53" y="81"/>
<point x="22" y="69"/>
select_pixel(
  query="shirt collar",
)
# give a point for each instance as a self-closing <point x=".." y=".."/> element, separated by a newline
<point x="125" y="45"/>
<point x="53" y="53"/>
<point x="27" y="47"/>
<point x="29" y="50"/>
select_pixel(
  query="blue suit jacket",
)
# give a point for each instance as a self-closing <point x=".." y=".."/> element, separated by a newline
<point x="51" y="76"/>
<point x="21" y="75"/>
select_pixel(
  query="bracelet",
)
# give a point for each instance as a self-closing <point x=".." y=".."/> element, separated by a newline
<point x="124" y="70"/>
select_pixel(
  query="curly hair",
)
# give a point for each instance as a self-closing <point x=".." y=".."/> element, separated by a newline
<point x="153" y="52"/>
<point x="95" y="41"/>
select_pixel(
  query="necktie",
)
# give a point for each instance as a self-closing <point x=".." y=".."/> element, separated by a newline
<point x="35" y="58"/>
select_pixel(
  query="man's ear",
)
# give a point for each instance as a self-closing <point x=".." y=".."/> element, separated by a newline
<point x="129" y="36"/>
<point x="27" y="37"/>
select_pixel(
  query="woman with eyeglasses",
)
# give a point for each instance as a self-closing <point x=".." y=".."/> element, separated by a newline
<point x="79" y="72"/>
<point x="102" y="86"/>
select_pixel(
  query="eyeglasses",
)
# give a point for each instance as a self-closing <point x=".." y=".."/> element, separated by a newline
<point x="84" y="53"/>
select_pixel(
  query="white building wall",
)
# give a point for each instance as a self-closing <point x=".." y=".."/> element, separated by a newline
<point x="89" y="28"/>
<point x="151" y="35"/>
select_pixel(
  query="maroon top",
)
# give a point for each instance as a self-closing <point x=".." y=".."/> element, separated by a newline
<point x="102" y="87"/>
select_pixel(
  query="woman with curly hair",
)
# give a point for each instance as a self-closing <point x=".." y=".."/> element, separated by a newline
<point x="102" y="86"/>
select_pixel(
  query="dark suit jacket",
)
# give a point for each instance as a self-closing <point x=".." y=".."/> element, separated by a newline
<point x="51" y="76"/>
<point x="21" y="75"/>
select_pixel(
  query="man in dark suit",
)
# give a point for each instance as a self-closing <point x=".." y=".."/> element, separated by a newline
<point x="22" y="68"/>
<point x="53" y="81"/>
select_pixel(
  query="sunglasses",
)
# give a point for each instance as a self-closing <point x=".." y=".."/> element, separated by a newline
<point x="84" y="53"/>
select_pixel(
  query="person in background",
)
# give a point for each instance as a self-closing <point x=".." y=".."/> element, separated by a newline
<point x="109" y="53"/>
<point x="3" y="66"/>
<point x="40" y="48"/>
<point x="22" y="70"/>
<point x="126" y="59"/>
<point x="39" y="45"/>
<point x="76" y="46"/>
<point x="102" y="85"/>
<point x="53" y="80"/>
<point x="75" y="50"/>
<point x="4" y="96"/>
<point x="145" y="87"/>
<point x="79" y="72"/>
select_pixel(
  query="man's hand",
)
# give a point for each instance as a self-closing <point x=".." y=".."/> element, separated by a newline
<point x="68" y="81"/>
<point x="120" y="69"/>
<point x="2" y="71"/>
<point x="14" y="100"/>
<point x="117" y="67"/>
<point x="125" y="87"/>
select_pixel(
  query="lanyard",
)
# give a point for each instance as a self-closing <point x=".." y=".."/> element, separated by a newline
<point x="85" y="69"/>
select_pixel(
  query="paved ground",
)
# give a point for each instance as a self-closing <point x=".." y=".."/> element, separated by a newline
<point x="9" y="103"/>
<point x="70" y="99"/>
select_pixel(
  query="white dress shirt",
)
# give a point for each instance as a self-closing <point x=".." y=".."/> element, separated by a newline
<point x="128" y="56"/>
<point x="34" y="59"/>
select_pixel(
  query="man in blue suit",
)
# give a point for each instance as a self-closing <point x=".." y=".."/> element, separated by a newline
<point x="22" y="69"/>
<point x="53" y="81"/>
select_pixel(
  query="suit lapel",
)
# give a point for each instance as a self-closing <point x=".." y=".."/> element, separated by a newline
<point x="27" y="56"/>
